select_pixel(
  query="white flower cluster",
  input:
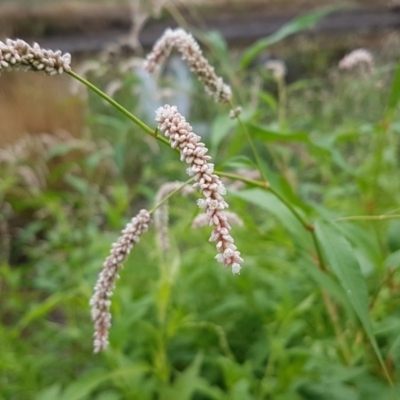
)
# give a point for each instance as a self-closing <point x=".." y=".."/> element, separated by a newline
<point x="193" y="152"/>
<point x="100" y="301"/>
<point x="19" y="55"/>
<point x="191" y="53"/>
<point x="202" y="220"/>
<point x="356" y="57"/>
<point x="277" y="68"/>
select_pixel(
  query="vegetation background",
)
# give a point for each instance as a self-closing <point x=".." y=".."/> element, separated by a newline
<point x="289" y="327"/>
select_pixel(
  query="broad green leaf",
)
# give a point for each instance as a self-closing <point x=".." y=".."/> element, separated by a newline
<point x="326" y="282"/>
<point x="217" y="41"/>
<point x="43" y="308"/>
<point x="343" y="262"/>
<point x="94" y="378"/>
<point x="268" y="135"/>
<point x="238" y="162"/>
<point x="186" y="383"/>
<point x="220" y="128"/>
<point x="298" y="24"/>
<point x="77" y="183"/>
<point x="268" y="202"/>
<point x="84" y="385"/>
<point x="393" y="260"/>
<point x="50" y="393"/>
<point x="268" y="99"/>
<point x="395" y="91"/>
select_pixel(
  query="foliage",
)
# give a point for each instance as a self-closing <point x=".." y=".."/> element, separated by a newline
<point x="315" y="312"/>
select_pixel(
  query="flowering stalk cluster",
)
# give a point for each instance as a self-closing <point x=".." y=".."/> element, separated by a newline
<point x="193" y="152"/>
<point x="100" y="301"/>
<point x="19" y="55"/>
<point x="191" y="53"/>
<point x="355" y="58"/>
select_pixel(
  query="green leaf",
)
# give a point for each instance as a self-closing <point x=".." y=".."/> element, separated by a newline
<point x="267" y="201"/>
<point x="94" y="378"/>
<point x="298" y="24"/>
<point x="326" y="282"/>
<point x="220" y="128"/>
<point x="395" y="91"/>
<point x="45" y="307"/>
<point x="77" y="183"/>
<point x="238" y="162"/>
<point x="343" y="262"/>
<point x="269" y="100"/>
<point x="217" y="41"/>
<point x="84" y="385"/>
<point x="268" y="135"/>
<point x="186" y="383"/>
<point x="50" y="393"/>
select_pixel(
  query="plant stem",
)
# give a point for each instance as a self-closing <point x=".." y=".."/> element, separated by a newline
<point x="368" y="217"/>
<point x="253" y="148"/>
<point x="166" y="198"/>
<point x="329" y="304"/>
<point x="118" y="106"/>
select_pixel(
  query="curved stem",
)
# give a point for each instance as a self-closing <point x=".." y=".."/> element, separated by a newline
<point x="329" y="304"/>
<point x="253" y="148"/>
<point x="368" y="217"/>
<point x="169" y="195"/>
<point x="118" y="106"/>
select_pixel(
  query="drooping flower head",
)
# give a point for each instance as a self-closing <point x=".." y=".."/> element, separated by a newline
<point x="190" y="50"/>
<point x="194" y="153"/>
<point x="355" y="58"/>
<point x="100" y="301"/>
<point x="19" y="55"/>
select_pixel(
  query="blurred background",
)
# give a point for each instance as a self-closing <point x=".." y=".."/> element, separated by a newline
<point x="319" y="84"/>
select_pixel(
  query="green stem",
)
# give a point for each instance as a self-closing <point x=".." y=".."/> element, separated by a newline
<point x="368" y="217"/>
<point x="118" y="106"/>
<point x="253" y="148"/>
<point x="166" y="198"/>
<point x="329" y="304"/>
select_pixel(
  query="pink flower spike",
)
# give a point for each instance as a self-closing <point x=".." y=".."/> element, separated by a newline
<point x="19" y="55"/>
<point x="192" y="54"/>
<point x="177" y="130"/>
<point x="100" y="301"/>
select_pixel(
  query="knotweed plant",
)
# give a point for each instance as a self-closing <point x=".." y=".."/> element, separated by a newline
<point x="19" y="55"/>
<point x="190" y="50"/>
<point x="327" y="241"/>
<point x="100" y="302"/>
<point x="194" y="153"/>
<point x="359" y="58"/>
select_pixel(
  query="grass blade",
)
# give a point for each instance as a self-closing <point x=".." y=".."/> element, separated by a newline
<point x="343" y="262"/>
<point x="296" y="25"/>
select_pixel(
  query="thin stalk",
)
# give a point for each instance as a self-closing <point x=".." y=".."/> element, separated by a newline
<point x="166" y="198"/>
<point x="253" y="148"/>
<point x="282" y="101"/>
<point x="252" y="182"/>
<point x="368" y="217"/>
<point x="333" y="315"/>
<point x="137" y="121"/>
